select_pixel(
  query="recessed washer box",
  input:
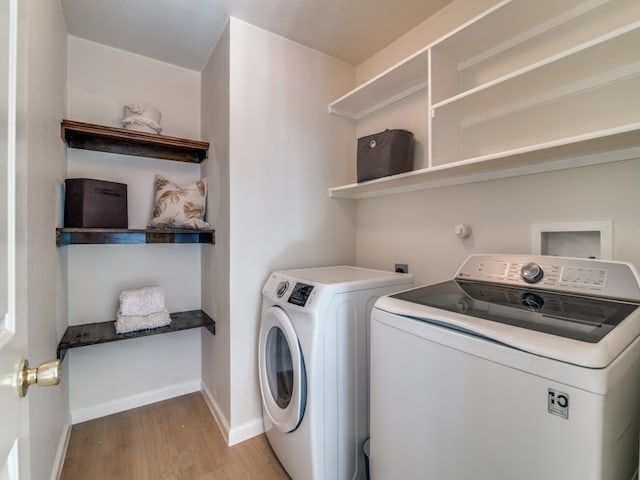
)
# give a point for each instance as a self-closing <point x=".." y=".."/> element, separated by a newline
<point x="574" y="239"/>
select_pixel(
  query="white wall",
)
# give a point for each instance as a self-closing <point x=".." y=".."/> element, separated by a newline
<point x="417" y="228"/>
<point x="102" y="79"/>
<point x="501" y="213"/>
<point x="284" y="153"/>
<point x="112" y="377"/>
<point x="41" y="88"/>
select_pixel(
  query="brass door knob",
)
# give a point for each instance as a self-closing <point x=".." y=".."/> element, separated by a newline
<point x="45" y="375"/>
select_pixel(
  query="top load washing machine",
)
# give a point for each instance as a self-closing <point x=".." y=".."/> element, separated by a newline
<point x="313" y="366"/>
<point x="519" y="368"/>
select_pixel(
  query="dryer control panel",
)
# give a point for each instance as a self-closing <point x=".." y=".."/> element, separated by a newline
<point x="285" y="289"/>
<point x="300" y="294"/>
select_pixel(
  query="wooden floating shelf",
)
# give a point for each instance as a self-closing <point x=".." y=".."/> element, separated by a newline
<point x="88" y="136"/>
<point x="98" y="236"/>
<point x="104" y="332"/>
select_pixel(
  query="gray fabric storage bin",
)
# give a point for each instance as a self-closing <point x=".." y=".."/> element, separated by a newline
<point x="384" y="153"/>
<point x="91" y="203"/>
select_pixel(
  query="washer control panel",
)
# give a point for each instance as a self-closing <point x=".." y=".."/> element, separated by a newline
<point x="570" y="275"/>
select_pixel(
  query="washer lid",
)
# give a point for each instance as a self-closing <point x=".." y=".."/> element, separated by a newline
<point x="584" y="331"/>
<point x="580" y="318"/>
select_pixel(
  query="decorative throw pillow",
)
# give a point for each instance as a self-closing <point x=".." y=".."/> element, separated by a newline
<point x="179" y="207"/>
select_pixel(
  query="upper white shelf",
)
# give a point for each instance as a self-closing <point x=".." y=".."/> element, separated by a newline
<point x="506" y="24"/>
<point x="486" y="34"/>
<point x="601" y="60"/>
<point x="401" y="80"/>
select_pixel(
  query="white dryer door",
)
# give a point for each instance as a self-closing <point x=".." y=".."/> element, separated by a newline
<point x="282" y="372"/>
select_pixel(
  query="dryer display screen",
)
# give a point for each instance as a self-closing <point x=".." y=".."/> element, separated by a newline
<point x="300" y="294"/>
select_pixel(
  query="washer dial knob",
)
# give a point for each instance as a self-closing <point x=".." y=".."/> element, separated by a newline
<point x="282" y="288"/>
<point x="532" y="301"/>
<point x="531" y="272"/>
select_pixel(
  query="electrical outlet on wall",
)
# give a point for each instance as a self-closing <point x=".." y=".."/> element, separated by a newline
<point x="402" y="268"/>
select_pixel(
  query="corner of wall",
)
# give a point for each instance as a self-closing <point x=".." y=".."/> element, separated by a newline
<point x="232" y="435"/>
<point x="434" y="27"/>
<point x="61" y="452"/>
<point x="215" y="99"/>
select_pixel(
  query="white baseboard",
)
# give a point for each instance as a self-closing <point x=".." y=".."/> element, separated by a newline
<point x="236" y="434"/>
<point x="246" y="431"/>
<point x="218" y="416"/>
<point x="58" y="462"/>
<point x="127" y="403"/>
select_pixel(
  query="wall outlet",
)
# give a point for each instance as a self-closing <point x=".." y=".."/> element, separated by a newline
<point x="402" y="268"/>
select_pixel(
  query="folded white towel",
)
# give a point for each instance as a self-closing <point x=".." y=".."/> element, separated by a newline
<point x="142" y="301"/>
<point x="132" y="323"/>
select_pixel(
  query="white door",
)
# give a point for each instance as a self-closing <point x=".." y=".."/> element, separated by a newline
<point x="13" y="410"/>
<point x="281" y="371"/>
<point x="15" y="376"/>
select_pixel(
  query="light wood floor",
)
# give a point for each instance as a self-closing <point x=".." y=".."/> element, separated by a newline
<point x="173" y="439"/>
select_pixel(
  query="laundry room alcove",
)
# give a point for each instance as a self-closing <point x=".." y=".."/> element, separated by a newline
<point x="119" y="140"/>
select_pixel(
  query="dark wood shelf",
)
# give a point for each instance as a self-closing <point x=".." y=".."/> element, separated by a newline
<point x="88" y="136"/>
<point x="98" y="236"/>
<point x="104" y="332"/>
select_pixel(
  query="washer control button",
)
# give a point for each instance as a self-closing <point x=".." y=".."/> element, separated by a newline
<point x="282" y="288"/>
<point x="531" y="272"/>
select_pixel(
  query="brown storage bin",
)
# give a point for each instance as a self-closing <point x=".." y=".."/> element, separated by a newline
<point x="91" y="203"/>
<point x="384" y="153"/>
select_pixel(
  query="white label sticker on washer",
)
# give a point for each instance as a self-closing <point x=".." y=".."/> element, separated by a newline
<point x="558" y="403"/>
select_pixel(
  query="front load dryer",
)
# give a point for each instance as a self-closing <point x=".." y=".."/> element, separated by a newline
<point x="314" y="369"/>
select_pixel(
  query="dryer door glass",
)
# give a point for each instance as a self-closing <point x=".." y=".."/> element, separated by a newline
<point x="279" y="367"/>
<point x="283" y="379"/>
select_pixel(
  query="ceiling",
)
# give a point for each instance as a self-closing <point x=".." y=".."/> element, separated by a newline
<point x="183" y="32"/>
